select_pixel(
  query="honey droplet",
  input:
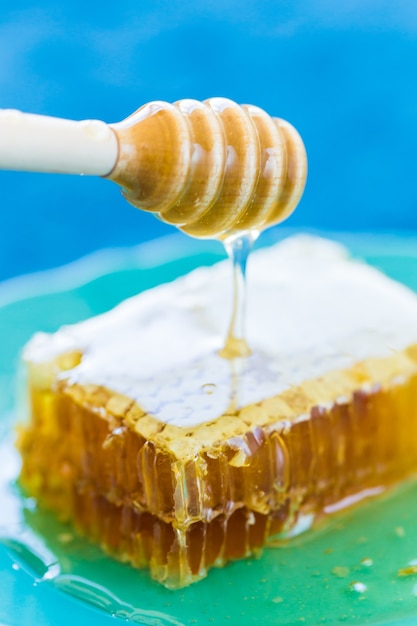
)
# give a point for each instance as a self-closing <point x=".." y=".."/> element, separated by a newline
<point x="357" y="586"/>
<point x="340" y="571"/>
<point x="277" y="600"/>
<point x="411" y="570"/>
<point x="208" y="388"/>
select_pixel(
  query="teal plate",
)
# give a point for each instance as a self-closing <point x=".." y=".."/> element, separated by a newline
<point x="358" y="568"/>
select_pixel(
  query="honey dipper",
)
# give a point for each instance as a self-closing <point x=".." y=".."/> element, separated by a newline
<point x="212" y="168"/>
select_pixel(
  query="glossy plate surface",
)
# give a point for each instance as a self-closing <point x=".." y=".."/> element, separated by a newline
<point x="347" y="571"/>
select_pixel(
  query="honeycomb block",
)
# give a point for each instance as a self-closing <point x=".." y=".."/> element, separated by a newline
<point x="181" y="491"/>
<point x="182" y="515"/>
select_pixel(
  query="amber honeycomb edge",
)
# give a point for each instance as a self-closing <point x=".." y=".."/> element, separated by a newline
<point x="297" y="454"/>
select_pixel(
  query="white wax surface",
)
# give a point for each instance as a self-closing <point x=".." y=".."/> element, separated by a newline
<point x="311" y="310"/>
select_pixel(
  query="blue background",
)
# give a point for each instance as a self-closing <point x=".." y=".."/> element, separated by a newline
<point x="344" y="73"/>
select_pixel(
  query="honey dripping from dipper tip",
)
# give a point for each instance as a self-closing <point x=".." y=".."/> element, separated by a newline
<point x="238" y="249"/>
<point x="213" y="169"/>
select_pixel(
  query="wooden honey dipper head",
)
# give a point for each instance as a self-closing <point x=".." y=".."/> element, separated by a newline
<point x="212" y="168"/>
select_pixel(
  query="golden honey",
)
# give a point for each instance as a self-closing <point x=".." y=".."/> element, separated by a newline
<point x="86" y="456"/>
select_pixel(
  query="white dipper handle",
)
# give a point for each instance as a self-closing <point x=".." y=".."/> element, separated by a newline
<point x="37" y="143"/>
